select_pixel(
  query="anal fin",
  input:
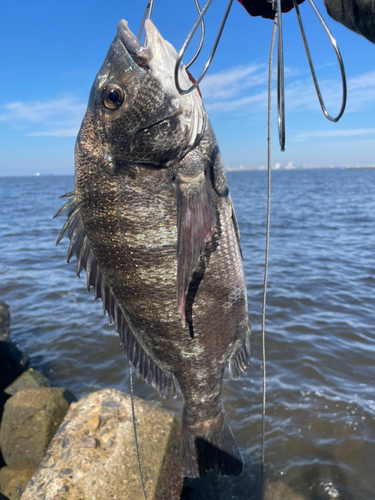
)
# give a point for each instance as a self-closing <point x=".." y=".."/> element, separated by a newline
<point x="239" y="360"/>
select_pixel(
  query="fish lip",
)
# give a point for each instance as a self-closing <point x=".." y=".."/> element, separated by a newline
<point x="143" y="54"/>
<point x="140" y="54"/>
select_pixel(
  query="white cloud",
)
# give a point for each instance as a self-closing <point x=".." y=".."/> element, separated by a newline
<point x="334" y="133"/>
<point x="362" y="81"/>
<point x="233" y="81"/>
<point x="229" y="83"/>
<point x="245" y="87"/>
<point x="63" y="132"/>
<point x="38" y="111"/>
<point x="361" y="90"/>
<point x="58" y="118"/>
<point x="257" y="100"/>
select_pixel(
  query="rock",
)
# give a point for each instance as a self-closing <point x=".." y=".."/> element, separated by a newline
<point x="30" y="420"/>
<point x="4" y="322"/>
<point x="12" y="363"/>
<point x="280" y="491"/>
<point x="14" y="478"/>
<point x="93" y="454"/>
<point x="3" y="398"/>
<point x="28" y="379"/>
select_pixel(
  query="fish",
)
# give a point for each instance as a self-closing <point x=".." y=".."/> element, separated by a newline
<point x="152" y="223"/>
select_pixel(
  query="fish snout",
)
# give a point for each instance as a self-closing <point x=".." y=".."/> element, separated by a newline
<point x="140" y="54"/>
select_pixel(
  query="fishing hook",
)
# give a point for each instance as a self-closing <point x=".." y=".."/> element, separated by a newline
<point x="280" y="77"/>
<point x="280" y="69"/>
<point x="202" y="36"/>
<point x="187" y="42"/>
<point x="339" y="58"/>
<point x="148" y="10"/>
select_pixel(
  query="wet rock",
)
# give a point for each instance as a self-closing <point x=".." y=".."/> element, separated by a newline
<point x="93" y="454"/>
<point x="4" y="322"/>
<point x="30" y="420"/>
<point x="15" y="477"/>
<point x="30" y="379"/>
<point x="280" y="491"/>
<point x="12" y="363"/>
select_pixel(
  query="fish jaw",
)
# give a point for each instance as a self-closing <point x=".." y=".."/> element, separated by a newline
<point x="182" y="119"/>
<point x="162" y="64"/>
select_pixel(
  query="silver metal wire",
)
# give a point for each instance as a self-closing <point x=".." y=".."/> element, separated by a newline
<point x="202" y="36"/>
<point x="339" y="58"/>
<point x="264" y="374"/>
<point x="280" y="77"/>
<point x="187" y="42"/>
<point x="148" y="11"/>
<point x="135" y="430"/>
<point x="280" y="60"/>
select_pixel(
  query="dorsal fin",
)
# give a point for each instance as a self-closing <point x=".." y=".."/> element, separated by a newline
<point x="79" y="246"/>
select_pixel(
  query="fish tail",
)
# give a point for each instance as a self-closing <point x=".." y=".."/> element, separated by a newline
<point x="210" y="446"/>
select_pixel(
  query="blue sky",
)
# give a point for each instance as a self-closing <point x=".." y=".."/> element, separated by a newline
<point x="51" y="51"/>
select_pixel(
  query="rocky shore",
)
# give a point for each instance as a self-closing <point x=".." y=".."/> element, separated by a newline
<point x="53" y="447"/>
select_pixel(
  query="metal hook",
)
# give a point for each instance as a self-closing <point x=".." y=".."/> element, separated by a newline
<point x="187" y="42"/>
<point x="280" y="78"/>
<point x="202" y="36"/>
<point x="148" y="10"/>
<point x="338" y="55"/>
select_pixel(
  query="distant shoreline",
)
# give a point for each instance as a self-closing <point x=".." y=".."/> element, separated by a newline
<point x="228" y="169"/>
<point x="359" y="168"/>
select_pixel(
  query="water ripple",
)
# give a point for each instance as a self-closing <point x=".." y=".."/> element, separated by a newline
<point x="320" y="322"/>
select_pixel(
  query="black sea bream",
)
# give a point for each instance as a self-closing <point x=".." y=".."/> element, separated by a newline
<point x="152" y="223"/>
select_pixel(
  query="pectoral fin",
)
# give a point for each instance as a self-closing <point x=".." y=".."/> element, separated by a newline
<point x="196" y="219"/>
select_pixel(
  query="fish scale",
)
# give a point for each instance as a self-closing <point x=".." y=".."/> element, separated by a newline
<point x="152" y="223"/>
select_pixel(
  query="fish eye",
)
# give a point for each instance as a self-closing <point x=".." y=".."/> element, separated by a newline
<point x="112" y="96"/>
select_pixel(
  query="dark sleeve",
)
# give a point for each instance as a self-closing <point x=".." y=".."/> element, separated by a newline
<point x="357" y="15"/>
<point x="264" y="9"/>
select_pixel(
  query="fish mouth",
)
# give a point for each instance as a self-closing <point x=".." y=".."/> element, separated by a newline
<point x="157" y="57"/>
<point x="141" y="54"/>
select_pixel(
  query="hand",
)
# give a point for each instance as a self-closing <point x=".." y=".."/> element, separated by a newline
<point x="263" y="8"/>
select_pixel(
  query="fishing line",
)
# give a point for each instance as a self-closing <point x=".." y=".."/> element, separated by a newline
<point x="275" y="24"/>
<point x="135" y="429"/>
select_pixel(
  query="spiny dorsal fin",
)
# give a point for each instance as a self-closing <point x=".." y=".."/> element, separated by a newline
<point x="196" y="218"/>
<point x="79" y="246"/>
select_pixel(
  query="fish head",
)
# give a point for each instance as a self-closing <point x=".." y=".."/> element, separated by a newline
<point x="135" y="113"/>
